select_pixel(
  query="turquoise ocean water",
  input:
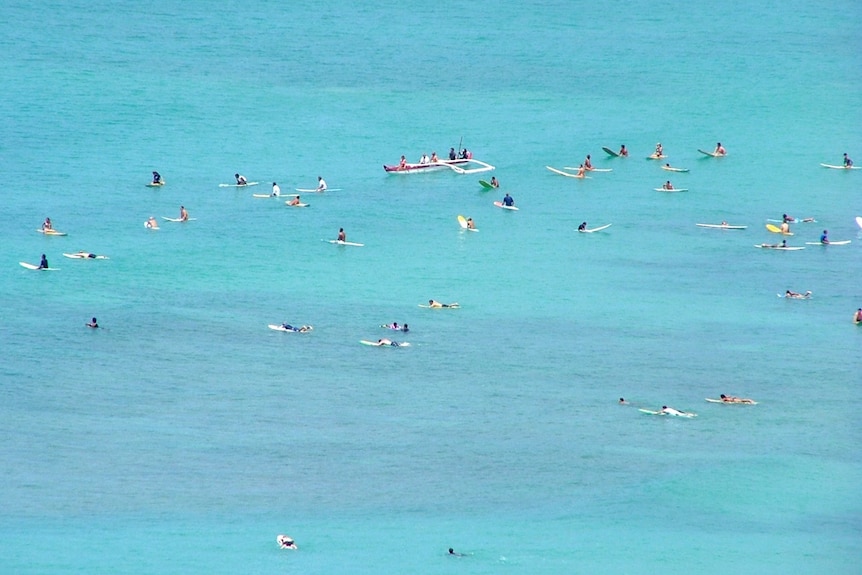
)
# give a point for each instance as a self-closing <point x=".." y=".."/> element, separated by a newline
<point x="185" y="435"/>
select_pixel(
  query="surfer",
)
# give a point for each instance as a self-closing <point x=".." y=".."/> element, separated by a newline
<point x="667" y="185"/>
<point x="470" y="224"/>
<point x="785" y="228"/>
<point x="294" y="201"/>
<point x="732" y="399"/>
<point x="495" y="182"/>
<point x="276" y="191"/>
<point x="152" y="223"/>
<point x="623" y="401"/>
<point x="824" y="237"/>
<point x="157" y="179"/>
<point x="47" y="225"/>
<point x="671" y="411"/>
<point x="321" y="184"/>
<point x="87" y="255"/>
<point x="588" y="164"/>
<point x="858" y="316"/>
<point x="659" y="151"/>
<point x="184" y="215"/>
<point x="508" y="201"/>
<point x="719" y="150"/>
<point x="795" y="295"/>
<point x="785" y="218"/>
<point x="342" y="237"/>
<point x="240" y="180"/>
<point x="94" y="324"/>
<point x="43" y="265"/>
<point x="384" y="341"/>
<point x="582" y="227"/>
<point x="286" y="542"/>
<point x="848" y="163"/>
<point x="582" y="171"/>
<point x="437" y="304"/>
<point x="454" y="553"/>
<point x="623" y="152"/>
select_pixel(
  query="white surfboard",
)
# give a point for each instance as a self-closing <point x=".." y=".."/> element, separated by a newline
<point x="178" y="219"/>
<point x="462" y="221"/>
<point x="598" y="229"/>
<point x="238" y="185"/>
<point x="343" y="243"/>
<point x="673" y="190"/>
<point x="51" y="232"/>
<point x="505" y="207"/>
<point x="654" y="157"/>
<point x="786" y="249"/>
<point x="711" y="400"/>
<point x="672" y="169"/>
<point x="393" y="344"/>
<point x="316" y="191"/>
<point x="84" y="256"/>
<point x="300" y="205"/>
<point x="676" y="414"/>
<point x="35" y="267"/>
<point x="834" y="167"/>
<point x="806" y="295"/>
<point x="154" y="185"/>
<point x="830" y="243"/>
<point x="280" y="327"/>
<point x="567" y="174"/>
<point x="445" y="306"/>
<point x="590" y="169"/>
<point x="721" y="226"/>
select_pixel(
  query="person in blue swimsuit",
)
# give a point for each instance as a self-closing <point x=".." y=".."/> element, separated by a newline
<point x="824" y="237"/>
<point x="43" y="265"/>
<point x="157" y="178"/>
<point x="848" y="163"/>
<point x="508" y="201"/>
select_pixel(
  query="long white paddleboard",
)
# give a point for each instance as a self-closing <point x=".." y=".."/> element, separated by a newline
<point x="153" y="185"/>
<point x="786" y="249"/>
<point x="590" y="169"/>
<point x="279" y="327"/>
<point x="721" y="226"/>
<point x="462" y="221"/>
<point x="264" y="196"/>
<point x="342" y="243"/>
<point x="316" y="191"/>
<point x="672" y="169"/>
<point x="84" y="256"/>
<point x="654" y="157"/>
<point x="598" y="229"/>
<point x="35" y="267"/>
<point x="445" y="306"/>
<point x="238" y="185"/>
<point x="806" y="295"/>
<point x="501" y="205"/>
<point x="178" y="219"/>
<point x="393" y="344"/>
<point x="673" y="190"/>
<point x="567" y="174"/>
<point x="679" y="414"/>
<point x="300" y="205"/>
<point x="711" y="400"/>
<point x="831" y="243"/>
<point x="51" y="232"/>
<point x="834" y="167"/>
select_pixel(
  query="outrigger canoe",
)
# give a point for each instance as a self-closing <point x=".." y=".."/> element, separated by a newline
<point x="454" y="165"/>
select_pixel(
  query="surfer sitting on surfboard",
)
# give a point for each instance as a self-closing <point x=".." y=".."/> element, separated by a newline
<point x="623" y="152"/>
<point x="824" y="237"/>
<point x="240" y="180"/>
<point x="471" y="225"/>
<point x="848" y="163"/>
<point x="294" y="201"/>
<point x="858" y="317"/>
<point x="43" y="265"/>
<point x="47" y="225"/>
<point x="276" y="191"/>
<point x="508" y="201"/>
<point x="667" y="185"/>
<point x="659" y="151"/>
<point x="719" y="150"/>
<point x="321" y="184"/>
<point x="588" y="164"/>
<point x="184" y="215"/>
<point x="434" y="158"/>
<point x="342" y="237"/>
<point x="495" y="182"/>
<point x="582" y="227"/>
<point x="157" y="178"/>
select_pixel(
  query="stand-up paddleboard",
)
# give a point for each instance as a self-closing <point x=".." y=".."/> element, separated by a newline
<point x="35" y="267"/>
<point x="829" y="243"/>
<point x="776" y="230"/>
<point x="84" y="256"/>
<point x="316" y="191"/>
<point x="51" y="232"/>
<point x="672" y="169"/>
<point x="711" y="154"/>
<point x="155" y="185"/>
<point x="486" y="185"/>
<point x="393" y="344"/>
<point x="444" y="306"/>
<point x="567" y="174"/>
<point x="610" y="152"/>
<point x="834" y="167"/>
<point x="500" y="205"/>
<point x="795" y="221"/>
<point x="676" y="414"/>
<point x="166" y="218"/>
<point x="238" y="185"/>
<point x="673" y="190"/>
<point x="297" y="329"/>
<point x="655" y="157"/>
<point x="721" y="226"/>
<point x="598" y="229"/>
<point x="750" y="402"/>
<point x="462" y="221"/>
<point x="785" y="248"/>
<point x="343" y="243"/>
<point x="590" y="169"/>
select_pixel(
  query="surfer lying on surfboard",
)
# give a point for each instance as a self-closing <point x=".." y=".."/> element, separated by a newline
<point x="437" y="304"/>
<point x="733" y="399"/>
<point x="795" y="295"/>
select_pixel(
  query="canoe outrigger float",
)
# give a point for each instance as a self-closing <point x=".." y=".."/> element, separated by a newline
<point x="454" y="165"/>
